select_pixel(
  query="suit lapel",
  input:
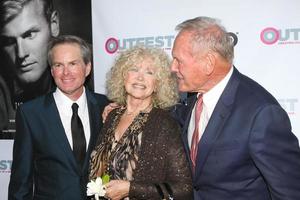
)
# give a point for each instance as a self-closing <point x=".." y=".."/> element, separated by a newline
<point x="213" y="129"/>
<point x="216" y="123"/>
<point x="56" y="126"/>
<point x="94" y="117"/>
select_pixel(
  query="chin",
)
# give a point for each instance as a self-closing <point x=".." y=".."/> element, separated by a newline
<point x="28" y="80"/>
<point x="183" y="89"/>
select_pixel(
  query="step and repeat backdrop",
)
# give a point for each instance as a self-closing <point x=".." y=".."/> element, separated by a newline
<point x="266" y="33"/>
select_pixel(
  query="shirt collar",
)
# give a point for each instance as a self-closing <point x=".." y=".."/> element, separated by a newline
<point x="211" y="97"/>
<point x="66" y="102"/>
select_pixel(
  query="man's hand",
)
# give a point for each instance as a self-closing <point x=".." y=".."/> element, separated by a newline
<point x="108" y="109"/>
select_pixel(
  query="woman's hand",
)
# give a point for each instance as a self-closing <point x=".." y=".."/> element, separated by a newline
<point x="108" y="109"/>
<point x="117" y="189"/>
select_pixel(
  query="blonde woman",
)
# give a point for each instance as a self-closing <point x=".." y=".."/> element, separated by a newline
<point x="140" y="146"/>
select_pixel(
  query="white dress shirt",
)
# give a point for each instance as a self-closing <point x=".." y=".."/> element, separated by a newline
<point x="64" y="106"/>
<point x="210" y="100"/>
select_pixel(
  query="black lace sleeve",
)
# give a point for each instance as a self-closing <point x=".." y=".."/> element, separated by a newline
<point x="178" y="181"/>
<point x="164" y="164"/>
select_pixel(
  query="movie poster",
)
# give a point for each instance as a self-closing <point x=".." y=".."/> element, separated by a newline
<point x="24" y="34"/>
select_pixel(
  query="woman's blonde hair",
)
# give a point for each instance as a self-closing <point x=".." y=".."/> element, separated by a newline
<point x="166" y="93"/>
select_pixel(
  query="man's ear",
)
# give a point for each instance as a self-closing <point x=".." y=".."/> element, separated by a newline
<point x="54" y="24"/>
<point x="51" y="70"/>
<point x="88" y="69"/>
<point x="210" y="62"/>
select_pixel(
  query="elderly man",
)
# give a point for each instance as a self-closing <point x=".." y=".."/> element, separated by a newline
<point x="237" y="136"/>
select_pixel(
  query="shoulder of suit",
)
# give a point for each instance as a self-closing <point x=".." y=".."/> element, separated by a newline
<point x="100" y="98"/>
<point x="253" y="91"/>
<point x="35" y="103"/>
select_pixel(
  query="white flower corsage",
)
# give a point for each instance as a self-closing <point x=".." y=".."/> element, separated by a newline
<point x="96" y="187"/>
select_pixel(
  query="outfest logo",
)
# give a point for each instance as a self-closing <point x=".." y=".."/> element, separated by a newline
<point x="113" y="45"/>
<point x="271" y="35"/>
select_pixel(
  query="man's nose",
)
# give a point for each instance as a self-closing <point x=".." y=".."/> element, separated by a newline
<point x="21" y="48"/>
<point x="66" y="70"/>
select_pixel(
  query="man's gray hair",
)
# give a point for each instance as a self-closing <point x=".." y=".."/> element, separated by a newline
<point x="209" y="34"/>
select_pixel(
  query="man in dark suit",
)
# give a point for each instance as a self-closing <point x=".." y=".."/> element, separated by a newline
<point x="56" y="132"/>
<point x="239" y="141"/>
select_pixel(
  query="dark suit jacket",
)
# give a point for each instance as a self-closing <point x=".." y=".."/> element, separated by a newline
<point x="247" y="150"/>
<point x="43" y="163"/>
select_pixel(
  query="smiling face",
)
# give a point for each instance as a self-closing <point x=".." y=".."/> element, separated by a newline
<point x="25" y="41"/>
<point x="139" y="80"/>
<point x="69" y="70"/>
